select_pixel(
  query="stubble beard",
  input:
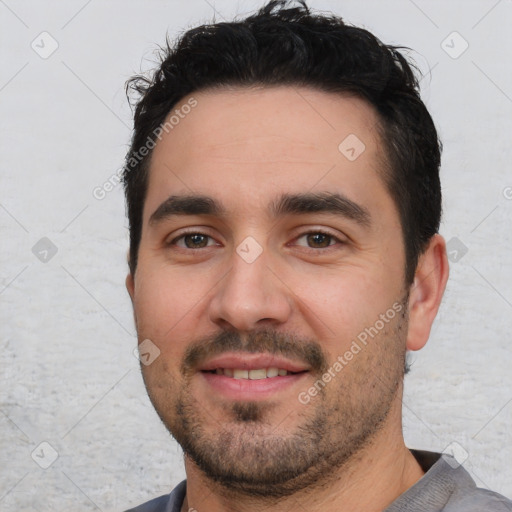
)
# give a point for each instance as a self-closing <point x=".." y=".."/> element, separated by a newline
<point x="248" y="455"/>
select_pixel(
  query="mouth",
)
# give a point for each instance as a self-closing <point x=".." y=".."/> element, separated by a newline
<point x="254" y="374"/>
<point x="251" y="376"/>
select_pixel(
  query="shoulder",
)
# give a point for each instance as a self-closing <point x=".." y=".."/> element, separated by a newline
<point x="155" y="505"/>
<point x="479" y="500"/>
<point x="447" y="486"/>
<point x="166" y="503"/>
<point x="464" y="495"/>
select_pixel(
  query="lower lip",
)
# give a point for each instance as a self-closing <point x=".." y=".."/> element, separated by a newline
<point x="247" y="389"/>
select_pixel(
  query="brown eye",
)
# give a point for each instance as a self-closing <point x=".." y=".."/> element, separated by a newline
<point x="192" y="241"/>
<point x="195" y="240"/>
<point x="317" y="240"/>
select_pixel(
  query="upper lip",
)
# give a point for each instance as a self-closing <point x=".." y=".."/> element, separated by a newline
<point x="248" y="361"/>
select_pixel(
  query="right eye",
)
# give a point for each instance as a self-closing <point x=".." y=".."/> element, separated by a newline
<point x="192" y="240"/>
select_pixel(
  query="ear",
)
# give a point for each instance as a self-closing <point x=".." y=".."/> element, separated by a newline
<point x="130" y="285"/>
<point x="426" y="292"/>
<point x="130" y="282"/>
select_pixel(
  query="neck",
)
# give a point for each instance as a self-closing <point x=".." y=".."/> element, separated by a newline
<point x="372" y="480"/>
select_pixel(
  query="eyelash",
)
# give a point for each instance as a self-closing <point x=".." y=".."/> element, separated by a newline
<point x="313" y="232"/>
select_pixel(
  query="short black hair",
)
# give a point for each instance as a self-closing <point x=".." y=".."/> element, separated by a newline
<point x="285" y="44"/>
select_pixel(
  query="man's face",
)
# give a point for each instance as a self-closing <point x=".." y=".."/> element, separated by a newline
<point x="271" y="282"/>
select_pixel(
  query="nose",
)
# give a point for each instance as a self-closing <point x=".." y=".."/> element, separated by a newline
<point x="250" y="295"/>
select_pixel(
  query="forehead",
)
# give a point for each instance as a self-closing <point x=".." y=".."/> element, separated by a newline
<point x="248" y="144"/>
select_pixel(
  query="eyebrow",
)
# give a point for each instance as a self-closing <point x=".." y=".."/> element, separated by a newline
<point x="322" y="202"/>
<point x="286" y="204"/>
<point x="186" y="205"/>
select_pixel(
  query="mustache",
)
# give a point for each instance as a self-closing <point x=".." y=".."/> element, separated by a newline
<point x="262" y="341"/>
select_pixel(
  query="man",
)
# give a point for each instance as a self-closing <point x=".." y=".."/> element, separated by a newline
<point x="284" y="203"/>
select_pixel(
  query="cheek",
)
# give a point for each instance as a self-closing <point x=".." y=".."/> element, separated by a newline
<point x="342" y="303"/>
<point x="166" y="305"/>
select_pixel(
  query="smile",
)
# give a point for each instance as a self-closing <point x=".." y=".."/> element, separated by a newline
<point x="255" y="374"/>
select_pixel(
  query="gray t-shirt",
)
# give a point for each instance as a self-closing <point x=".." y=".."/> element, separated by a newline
<point x="445" y="486"/>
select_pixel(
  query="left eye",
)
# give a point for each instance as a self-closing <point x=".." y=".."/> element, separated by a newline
<point x="192" y="241"/>
<point x="318" y="239"/>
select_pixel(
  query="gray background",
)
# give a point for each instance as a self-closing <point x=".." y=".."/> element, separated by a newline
<point x="69" y="379"/>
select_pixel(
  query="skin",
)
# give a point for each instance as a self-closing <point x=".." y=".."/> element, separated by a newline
<point x="243" y="148"/>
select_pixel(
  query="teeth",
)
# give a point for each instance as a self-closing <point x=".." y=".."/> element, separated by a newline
<point x="272" y="372"/>
<point x="259" y="373"/>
